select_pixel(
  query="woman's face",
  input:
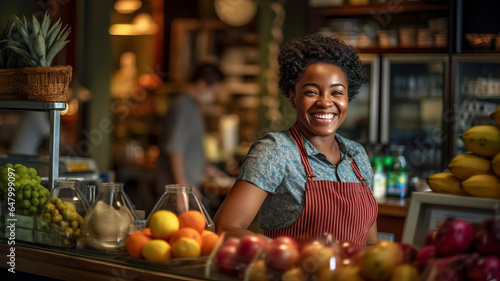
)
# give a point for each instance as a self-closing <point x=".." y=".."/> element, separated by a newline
<point x="321" y="99"/>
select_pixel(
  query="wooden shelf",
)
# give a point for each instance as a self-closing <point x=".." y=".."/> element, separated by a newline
<point x="401" y="50"/>
<point x="399" y="7"/>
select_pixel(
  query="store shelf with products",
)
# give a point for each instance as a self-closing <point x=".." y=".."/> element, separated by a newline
<point x="392" y="27"/>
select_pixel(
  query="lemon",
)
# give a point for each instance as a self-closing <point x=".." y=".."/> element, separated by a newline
<point x="186" y="248"/>
<point x="156" y="250"/>
<point x="163" y="223"/>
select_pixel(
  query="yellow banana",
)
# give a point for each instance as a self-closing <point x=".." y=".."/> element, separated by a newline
<point x="465" y="165"/>
<point x="483" y="140"/>
<point x="495" y="115"/>
<point x="485" y="186"/>
<point x="495" y="164"/>
<point x="445" y="183"/>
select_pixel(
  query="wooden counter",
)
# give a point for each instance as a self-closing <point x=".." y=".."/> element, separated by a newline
<point x="66" y="266"/>
<point x="392" y="213"/>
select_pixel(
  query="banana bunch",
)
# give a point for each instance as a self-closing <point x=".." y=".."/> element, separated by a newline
<point x="477" y="172"/>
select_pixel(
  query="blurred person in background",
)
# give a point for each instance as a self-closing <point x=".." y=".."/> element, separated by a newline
<point x="181" y="159"/>
<point x="33" y="130"/>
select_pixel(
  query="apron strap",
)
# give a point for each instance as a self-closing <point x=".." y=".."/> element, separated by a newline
<point x="302" y="150"/>
<point x="356" y="169"/>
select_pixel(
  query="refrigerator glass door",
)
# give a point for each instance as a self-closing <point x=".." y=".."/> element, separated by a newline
<point x="476" y="82"/>
<point x="361" y="124"/>
<point x="412" y="108"/>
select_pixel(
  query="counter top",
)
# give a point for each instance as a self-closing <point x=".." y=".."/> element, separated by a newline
<point x="76" y="266"/>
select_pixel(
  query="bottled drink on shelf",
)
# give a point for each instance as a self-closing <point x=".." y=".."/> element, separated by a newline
<point x="397" y="174"/>
<point x="379" y="179"/>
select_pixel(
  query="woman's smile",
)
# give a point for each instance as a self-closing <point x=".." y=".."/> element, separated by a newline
<point x="321" y="99"/>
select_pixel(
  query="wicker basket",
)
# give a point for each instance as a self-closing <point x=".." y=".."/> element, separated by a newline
<point x="36" y="83"/>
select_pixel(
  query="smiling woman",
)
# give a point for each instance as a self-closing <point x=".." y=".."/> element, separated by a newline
<point x="308" y="180"/>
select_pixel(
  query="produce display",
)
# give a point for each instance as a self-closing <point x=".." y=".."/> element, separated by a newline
<point x="477" y="172"/>
<point x="456" y="251"/>
<point x="460" y="251"/>
<point x="170" y="236"/>
<point x="254" y="257"/>
<point x="30" y="195"/>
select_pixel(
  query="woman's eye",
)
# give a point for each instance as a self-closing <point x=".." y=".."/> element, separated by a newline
<point x="310" y="93"/>
<point x="337" y="93"/>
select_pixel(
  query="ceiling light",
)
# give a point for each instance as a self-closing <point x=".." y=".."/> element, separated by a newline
<point x="127" y="6"/>
<point x="235" y="13"/>
<point x="142" y="24"/>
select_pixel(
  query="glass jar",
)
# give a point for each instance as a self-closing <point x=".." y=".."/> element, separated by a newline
<point x="61" y="218"/>
<point x="179" y="198"/>
<point x="110" y="219"/>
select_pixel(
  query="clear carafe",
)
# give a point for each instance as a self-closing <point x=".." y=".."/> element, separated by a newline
<point x="61" y="218"/>
<point x="179" y="198"/>
<point x="110" y="220"/>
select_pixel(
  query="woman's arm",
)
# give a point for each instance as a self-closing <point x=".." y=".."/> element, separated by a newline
<point x="239" y="208"/>
<point x="372" y="235"/>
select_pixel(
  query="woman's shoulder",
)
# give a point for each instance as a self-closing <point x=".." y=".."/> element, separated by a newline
<point x="276" y="139"/>
<point x="352" y="147"/>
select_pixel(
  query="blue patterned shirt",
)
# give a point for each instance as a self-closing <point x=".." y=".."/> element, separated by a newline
<point x="273" y="164"/>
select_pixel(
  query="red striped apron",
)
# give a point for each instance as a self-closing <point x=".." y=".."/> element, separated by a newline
<point x="346" y="210"/>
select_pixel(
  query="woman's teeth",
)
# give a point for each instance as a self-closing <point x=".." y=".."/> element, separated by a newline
<point x="323" y="116"/>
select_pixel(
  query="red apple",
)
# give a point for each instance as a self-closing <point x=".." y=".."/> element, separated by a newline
<point x="231" y="241"/>
<point x="281" y="257"/>
<point x="408" y="252"/>
<point x="424" y="256"/>
<point x="285" y="240"/>
<point x="431" y="237"/>
<point x="453" y="237"/>
<point x="248" y="247"/>
<point x="487" y="237"/>
<point x="225" y="259"/>
<point x="484" y="269"/>
<point x="451" y="268"/>
<point x="349" y="249"/>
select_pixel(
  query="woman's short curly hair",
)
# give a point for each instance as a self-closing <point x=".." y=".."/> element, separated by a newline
<point x="299" y="53"/>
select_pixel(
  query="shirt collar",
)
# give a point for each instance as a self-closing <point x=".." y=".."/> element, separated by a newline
<point x="344" y="150"/>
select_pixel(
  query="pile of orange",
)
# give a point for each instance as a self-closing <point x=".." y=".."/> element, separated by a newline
<point x="170" y="236"/>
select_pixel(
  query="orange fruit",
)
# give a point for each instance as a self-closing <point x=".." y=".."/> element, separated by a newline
<point x="187" y="232"/>
<point x="147" y="231"/>
<point x="194" y="219"/>
<point x="135" y="242"/>
<point x="163" y="223"/>
<point x="208" y="241"/>
<point x="186" y="248"/>
<point x="157" y="250"/>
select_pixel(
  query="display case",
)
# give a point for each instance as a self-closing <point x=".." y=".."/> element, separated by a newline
<point x="54" y="109"/>
<point x="412" y="92"/>
<point x="476" y="88"/>
<point x="428" y="210"/>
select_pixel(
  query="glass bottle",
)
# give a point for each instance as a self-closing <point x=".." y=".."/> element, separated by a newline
<point x="397" y="175"/>
<point x="61" y="218"/>
<point x="179" y="198"/>
<point x="379" y="180"/>
<point x="110" y="220"/>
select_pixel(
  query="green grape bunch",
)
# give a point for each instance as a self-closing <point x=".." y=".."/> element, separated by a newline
<point x="30" y="194"/>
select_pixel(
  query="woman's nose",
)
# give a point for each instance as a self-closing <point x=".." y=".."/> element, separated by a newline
<point x="324" y="101"/>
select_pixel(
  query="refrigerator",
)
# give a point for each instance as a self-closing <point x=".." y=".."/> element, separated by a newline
<point x="401" y="103"/>
<point x="476" y="88"/>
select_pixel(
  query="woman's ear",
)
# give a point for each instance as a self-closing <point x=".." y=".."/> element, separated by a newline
<point x="291" y="95"/>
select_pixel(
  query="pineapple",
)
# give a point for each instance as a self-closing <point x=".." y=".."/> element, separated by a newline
<point x="9" y="58"/>
<point x="37" y="43"/>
